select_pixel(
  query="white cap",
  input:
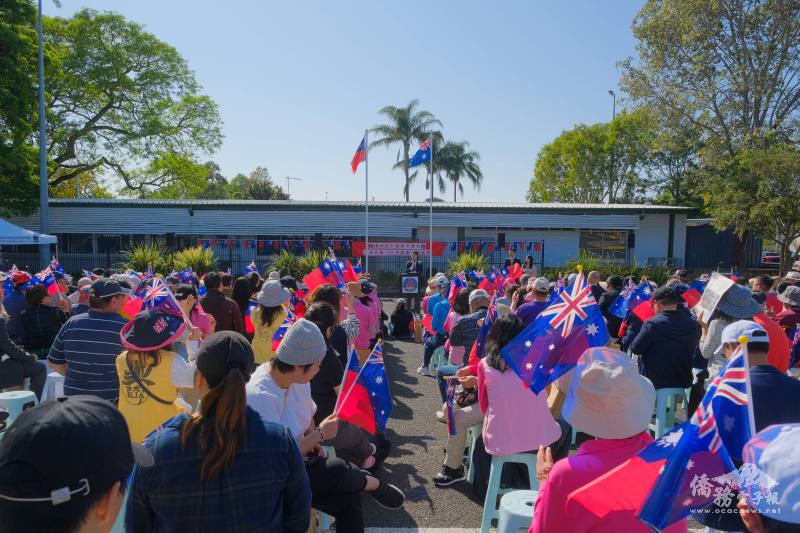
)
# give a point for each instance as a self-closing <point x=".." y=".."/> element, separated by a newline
<point x="747" y="328"/>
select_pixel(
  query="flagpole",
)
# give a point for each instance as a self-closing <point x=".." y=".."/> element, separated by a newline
<point x="743" y="340"/>
<point x="430" y="217"/>
<point x="366" y="201"/>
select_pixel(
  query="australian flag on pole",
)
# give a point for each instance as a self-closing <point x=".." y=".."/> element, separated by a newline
<point x="557" y="290"/>
<point x="423" y="154"/>
<point x="250" y="268"/>
<point x="630" y="298"/>
<point x="158" y="296"/>
<point x="551" y="345"/>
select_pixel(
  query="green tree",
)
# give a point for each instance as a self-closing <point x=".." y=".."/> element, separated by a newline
<point x="729" y="67"/>
<point x="86" y="185"/>
<point x="18" y="82"/>
<point x="764" y="197"/>
<point x="216" y="184"/>
<point x="257" y="186"/>
<point x="405" y="126"/>
<point x="457" y="161"/>
<point x="120" y="100"/>
<point x="595" y="163"/>
<point x="171" y="175"/>
<point x="673" y="165"/>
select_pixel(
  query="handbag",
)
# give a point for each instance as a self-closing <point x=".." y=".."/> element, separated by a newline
<point x="465" y="397"/>
<point x="142" y="386"/>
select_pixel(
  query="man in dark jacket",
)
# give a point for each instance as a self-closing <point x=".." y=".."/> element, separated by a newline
<point x="666" y="343"/>
<point x="613" y="286"/>
<point x="223" y="309"/>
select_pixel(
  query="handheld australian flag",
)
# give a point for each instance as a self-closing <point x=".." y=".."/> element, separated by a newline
<point x="158" y="296"/>
<point x="551" y="345"/>
<point x="250" y="268"/>
<point x="630" y="298"/>
<point x="365" y="399"/>
<point x="423" y="154"/>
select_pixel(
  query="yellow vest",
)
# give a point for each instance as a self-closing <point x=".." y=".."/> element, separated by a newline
<point x="262" y="340"/>
<point x="142" y="413"/>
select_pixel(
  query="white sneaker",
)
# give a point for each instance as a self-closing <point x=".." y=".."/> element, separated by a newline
<point x="440" y="417"/>
<point x="423" y="370"/>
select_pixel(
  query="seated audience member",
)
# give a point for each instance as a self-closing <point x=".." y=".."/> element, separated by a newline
<point x="351" y="442"/>
<point x="225" y="311"/>
<point x="502" y="396"/>
<point x="64" y="466"/>
<point x="347" y="330"/>
<point x="15" y="363"/>
<point x="609" y="400"/>
<point x="365" y="311"/>
<point x="86" y="348"/>
<point x="82" y="294"/>
<point x="775" y="452"/>
<point x="41" y="321"/>
<point x="540" y="291"/>
<point x="222" y="468"/>
<point x="267" y="317"/>
<point x="437" y="306"/>
<point x="14" y="303"/>
<point x="613" y="322"/>
<point x="460" y="308"/>
<point x="150" y="372"/>
<point x="279" y="391"/>
<point x="789" y="317"/>
<point x="462" y="337"/>
<point x="401" y="321"/>
<point x="666" y="343"/>
<point x="775" y="396"/>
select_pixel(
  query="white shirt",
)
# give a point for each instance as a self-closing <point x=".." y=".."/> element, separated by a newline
<point x="292" y="407"/>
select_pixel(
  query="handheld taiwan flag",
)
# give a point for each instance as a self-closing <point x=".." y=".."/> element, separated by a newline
<point x="280" y="333"/>
<point x="365" y="400"/>
<point x="326" y="274"/>
<point x="513" y="271"/>
<point x="483" y="331"/>
<point x="346" y="270"/>
<point x="297" y="303"/>
<point x="493" y="281"/>
<point x="452" y="382"/>
<point x="477" y="276"/>
<point x="357" y="267"/>
<point x="457" y="282"/>
<point x="423" y="154"/>
<point x="551" y="345"/>
<point x="695" y="291"/>
<point x="248" y="317"/>
<point x="360" y="156"/>
<point x="630" y="297"/>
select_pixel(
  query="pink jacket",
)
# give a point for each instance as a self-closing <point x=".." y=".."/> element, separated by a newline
<point x="594" y="458"/>
<point x="366" y="317"/>
<point x="515" y="419"/>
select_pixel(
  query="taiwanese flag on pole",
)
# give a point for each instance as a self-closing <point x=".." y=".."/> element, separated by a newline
<point x="630" y="297"/>
<point x="457" y="282"/>
<point x="493" y="281"/>
<point x="248" y="320"/>
<point x="360" y="156"/>
<point x="694" y="293"/>
<point x="324" y="275"/>
<point x="551" y="345"/>
<point x="365" y="399"/>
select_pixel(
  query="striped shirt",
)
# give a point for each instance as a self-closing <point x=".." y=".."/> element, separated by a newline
<point x="89" y="345"/>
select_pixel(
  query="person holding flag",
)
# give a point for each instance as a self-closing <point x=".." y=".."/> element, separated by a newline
<point x="267" y="317"/>
<point x="438" y="308"/>
<point x="279" y="391"/>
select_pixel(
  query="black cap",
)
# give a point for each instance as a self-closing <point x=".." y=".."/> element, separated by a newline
<point x="185" y="290"/>
<point x="221" y="352"/>
<point x="94" y="450"/>
<point x="289" y="282"/>
<point x="106" y="287"/>
<point x="665" y="294"/>
<point x="366" y="286"/>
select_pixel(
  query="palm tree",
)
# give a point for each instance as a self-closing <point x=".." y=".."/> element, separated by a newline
<point x="457" y="161"/>
<point x="405" y="126"/>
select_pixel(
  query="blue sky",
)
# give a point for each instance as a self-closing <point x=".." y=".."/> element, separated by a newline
<point x="298" y="82"/>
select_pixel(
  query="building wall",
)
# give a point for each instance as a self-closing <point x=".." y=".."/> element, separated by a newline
<point x="651" y="238"/>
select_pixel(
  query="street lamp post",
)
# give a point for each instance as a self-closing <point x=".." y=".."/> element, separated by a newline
<point x="288" y="180"/>
<point x="44" y="249"/>
<point x="614" y="105"/>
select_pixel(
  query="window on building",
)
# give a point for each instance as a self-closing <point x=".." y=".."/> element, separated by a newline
<point x="611" y="245"/>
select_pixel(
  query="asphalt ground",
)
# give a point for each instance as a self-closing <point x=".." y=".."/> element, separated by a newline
<point x="417" y="452"/>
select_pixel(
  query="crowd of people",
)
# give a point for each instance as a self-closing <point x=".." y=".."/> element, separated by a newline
<point x="231" y="398"/>
<point x="607" y="402"/>
<point x="222" y="414"/>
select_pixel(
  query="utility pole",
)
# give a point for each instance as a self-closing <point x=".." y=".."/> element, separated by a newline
<point x="44" y="222"/>
<point x="614" y="104"/>
<point x="288" y="180"/>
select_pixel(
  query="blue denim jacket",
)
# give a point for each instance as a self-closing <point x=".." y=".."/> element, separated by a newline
<point x="264" y="488"/>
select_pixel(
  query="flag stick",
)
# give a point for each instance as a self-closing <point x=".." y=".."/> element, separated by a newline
<point x="430" y="217"/>
<point x="748" y="388"/>
<point x="366" y="201"/>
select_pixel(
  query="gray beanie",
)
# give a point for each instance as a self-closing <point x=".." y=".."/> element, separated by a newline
<point x="303" y="344"/>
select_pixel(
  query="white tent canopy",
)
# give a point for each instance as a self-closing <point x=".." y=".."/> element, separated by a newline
<point x="14" y="235"/>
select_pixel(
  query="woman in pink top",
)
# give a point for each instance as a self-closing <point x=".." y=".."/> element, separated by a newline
<point x="609" y="400"/>
<point x="459" y="309"/>
<point x="368" y="322"/>
<point x="515" y="419"/>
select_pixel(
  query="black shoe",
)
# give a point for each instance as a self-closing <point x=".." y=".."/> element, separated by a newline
<point x="388" y="496"/>
<point x="448" y="476"/>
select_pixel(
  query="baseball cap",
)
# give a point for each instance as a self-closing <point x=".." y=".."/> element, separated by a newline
<point x="222" y="352"/>
<point x="477" y="294"/>
<point x="105" y="287"/>
<point x="540" y="285"/>
<point x="94" y="450"/>
<point x="442" y="281"/>
<point x="746" y="328"/>
<point x="185" y="290"/>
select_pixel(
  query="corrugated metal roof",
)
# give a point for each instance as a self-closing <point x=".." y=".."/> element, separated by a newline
<point x="344" y="205"/>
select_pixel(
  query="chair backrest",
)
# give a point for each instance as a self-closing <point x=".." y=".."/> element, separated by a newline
<point x="14" y="402"/>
